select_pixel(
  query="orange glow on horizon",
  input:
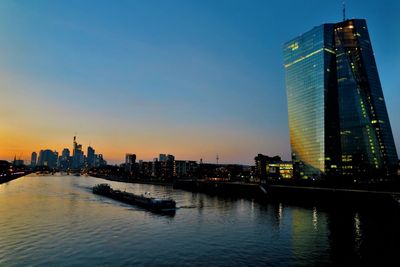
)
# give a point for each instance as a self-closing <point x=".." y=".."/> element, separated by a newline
<point x="21" y="145"/>
<point x="37" y="121"/>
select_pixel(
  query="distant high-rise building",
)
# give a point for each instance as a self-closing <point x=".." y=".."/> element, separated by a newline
<point x="167" y="166"/>
<point x="65" y="153"/>
<point x="91" y="160"/>
<point x="100" y="160"/>
<point x="166" y="157"/>
<point x="130" y="160"/>
<point x="337" y="114"/>
<point x="77" y="155"/>
<point x="48" y="158"/>
<point x="170" y="157"/>
<point x="156" y="168"/>
<point x="33" y="159"/>
<point x="162" y="157"/>
<point x="65" y="159"/>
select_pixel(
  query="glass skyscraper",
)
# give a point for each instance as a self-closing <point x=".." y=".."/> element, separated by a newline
<point x="337" y="114"/>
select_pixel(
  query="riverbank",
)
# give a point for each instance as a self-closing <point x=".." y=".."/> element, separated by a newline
<point x="130" y="180"/>
<point x="10" y="177"/>
<point x="295" y="194"/>
<point x="291" y="194"/>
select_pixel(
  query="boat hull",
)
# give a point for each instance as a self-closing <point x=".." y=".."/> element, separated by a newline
<point x="160" y="205"/>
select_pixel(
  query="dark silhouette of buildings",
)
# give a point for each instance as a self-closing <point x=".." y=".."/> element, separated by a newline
<point x="48" y="158"/>
<point x="130" y="161"/>
<point x="185" y="168"/>
<point x="33" y="159"/>
<point x="77" y="156"/>
<point x="65" y="160"/>
<point x="90" y="158"/>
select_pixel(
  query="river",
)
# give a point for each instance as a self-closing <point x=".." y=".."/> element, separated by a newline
<point x="55" y="220"/>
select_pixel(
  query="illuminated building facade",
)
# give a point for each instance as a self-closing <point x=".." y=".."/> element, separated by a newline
<point x="272" y="168"/>
<point x="337" y="114"/>
<point x="280" y="170"/>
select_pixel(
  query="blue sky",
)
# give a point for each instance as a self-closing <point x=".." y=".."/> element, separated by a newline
<point x="191" y="78"/>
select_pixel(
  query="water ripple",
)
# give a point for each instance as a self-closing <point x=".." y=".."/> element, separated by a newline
<point x="57" y="221"/>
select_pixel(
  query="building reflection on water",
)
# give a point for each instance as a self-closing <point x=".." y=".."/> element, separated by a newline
<point x="355" y="236"/>
<point x="364" y="236"/>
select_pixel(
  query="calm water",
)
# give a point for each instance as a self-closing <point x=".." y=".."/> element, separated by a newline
<point x="57" y="221"/>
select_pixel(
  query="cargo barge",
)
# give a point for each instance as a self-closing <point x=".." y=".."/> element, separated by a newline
<point x="145" y="201"/>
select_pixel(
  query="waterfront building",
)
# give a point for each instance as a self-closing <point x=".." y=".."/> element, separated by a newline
<point x="156" y="168"/>
<point x="130" y="160"/>
<point x="165" y="163"/>
<point x="272" y="167"/>
<point x="33" y="159"/>
<point x="145" y="168"/>
<point x="262" y="162"/>
<point x="185" y="168"/>
<point x="280" y="170"/>
<point x="208" y="170"/>
<point x="162" y="157"/>
<point x="234" y="172"/>
<point x="170" y="157"/>
<point x="338" y="120"/>
<point x="167" y="166"/>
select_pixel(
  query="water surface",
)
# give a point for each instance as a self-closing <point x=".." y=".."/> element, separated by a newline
<point x="57" y="221"/>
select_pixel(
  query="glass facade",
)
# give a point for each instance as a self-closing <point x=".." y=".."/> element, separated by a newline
<point x="337" y="115"/>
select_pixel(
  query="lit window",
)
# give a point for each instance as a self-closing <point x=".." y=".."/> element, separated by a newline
<point x="294" y="46"/>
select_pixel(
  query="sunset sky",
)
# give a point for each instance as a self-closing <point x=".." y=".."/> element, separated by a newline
<point x="189" y="78"/>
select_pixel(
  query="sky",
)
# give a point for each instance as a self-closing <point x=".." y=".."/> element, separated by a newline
<point x="189" y="78"/>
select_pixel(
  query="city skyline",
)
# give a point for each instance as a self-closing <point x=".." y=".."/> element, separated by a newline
<point x="88" y="155"/>
<point x="190" y="79"/>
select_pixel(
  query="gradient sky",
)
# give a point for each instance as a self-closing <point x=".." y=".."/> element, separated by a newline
<point x="190" y="78"/>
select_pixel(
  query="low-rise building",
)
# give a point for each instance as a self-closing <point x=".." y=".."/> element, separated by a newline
<point x="185" y="168"/>
<point x="272" y="168"/>
<point x="280" y="170"/>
